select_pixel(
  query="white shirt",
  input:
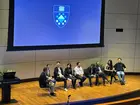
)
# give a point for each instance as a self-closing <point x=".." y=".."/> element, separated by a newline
<point x="78" y="70"/>
<point x="99" y="69"/>
<point x="59" y="72"/>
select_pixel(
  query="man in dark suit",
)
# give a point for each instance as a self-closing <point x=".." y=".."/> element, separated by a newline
<point x="90" y="73"/>
<point x="59" y="75"/>
<point x="46" y="80"/>
<point x="100" y="73"/>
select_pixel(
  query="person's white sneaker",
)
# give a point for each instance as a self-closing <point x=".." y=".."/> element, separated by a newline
<point x="66" y="89"/>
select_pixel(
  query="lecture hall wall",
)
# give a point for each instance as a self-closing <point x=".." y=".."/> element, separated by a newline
<point x="119" y="14"/>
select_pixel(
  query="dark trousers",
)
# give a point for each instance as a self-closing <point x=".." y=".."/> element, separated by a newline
<point x="90" y="79"/>
<point x="103" y="76"/>
<point x="112" y="76"/>
<point x="73" y="80"/>
<point x="52" y="85"/>
<point x="62" y="79"/>
<point x="82" y="79"/>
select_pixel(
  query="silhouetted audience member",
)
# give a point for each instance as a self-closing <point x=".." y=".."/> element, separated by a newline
<point x="59" y="75"/>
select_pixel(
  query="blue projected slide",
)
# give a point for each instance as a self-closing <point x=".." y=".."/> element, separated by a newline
<point x="56" y="22"/>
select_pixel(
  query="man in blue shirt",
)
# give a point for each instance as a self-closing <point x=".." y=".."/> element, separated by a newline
<point x="120" y="68"/>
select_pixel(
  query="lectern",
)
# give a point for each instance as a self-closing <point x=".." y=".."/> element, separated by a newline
<point x="5" y="84"/>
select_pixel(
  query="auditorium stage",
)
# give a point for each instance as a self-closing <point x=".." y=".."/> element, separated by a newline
<point x="29" y="93"/>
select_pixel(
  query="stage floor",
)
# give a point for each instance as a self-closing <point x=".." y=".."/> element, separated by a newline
<point x="29" y="93"/>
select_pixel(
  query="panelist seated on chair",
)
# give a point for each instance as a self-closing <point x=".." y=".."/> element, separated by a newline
<point x="46" y="81"/>
<point x="69" y="75"/>
<point x="109" y="71"/>
<point x="100" y="73"/>
<point x="120" y="68"/>
<point x="79" y="73"/>
<point x="90" y="73"/>
<point x="59" y="75"/>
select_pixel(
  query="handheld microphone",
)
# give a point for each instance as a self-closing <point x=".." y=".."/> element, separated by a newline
<point x="68" y="100"/>
<point x="69" y="96"/>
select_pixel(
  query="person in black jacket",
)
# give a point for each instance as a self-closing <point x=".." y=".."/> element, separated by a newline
<point x="59" y="75"/>
<point x="90" y="73"/>
<point x="69" y="75"/>
<point x="100" y="73"/>
<point x="46" y="80"/>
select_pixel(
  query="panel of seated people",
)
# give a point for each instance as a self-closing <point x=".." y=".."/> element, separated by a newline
<point x="77" y="73"/>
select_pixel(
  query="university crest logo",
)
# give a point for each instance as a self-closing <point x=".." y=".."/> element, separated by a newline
<point x="61" y="15"/>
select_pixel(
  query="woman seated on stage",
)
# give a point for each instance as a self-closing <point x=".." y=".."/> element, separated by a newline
<point x="59" y="75"/>
<point x="69" y="75"/>
<point x="109" y="71"/>
<point x="100" y="73"/>
<point x="46" y="80"/>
